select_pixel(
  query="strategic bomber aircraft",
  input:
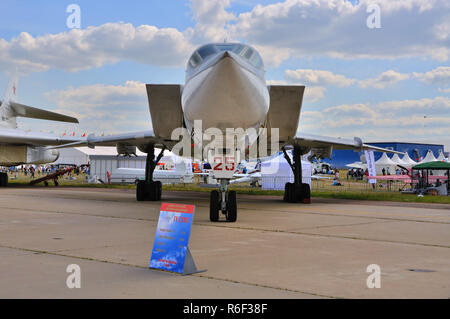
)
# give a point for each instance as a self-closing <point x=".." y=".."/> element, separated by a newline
<point x="24" y="147"/>
<point x="225" y="87"/>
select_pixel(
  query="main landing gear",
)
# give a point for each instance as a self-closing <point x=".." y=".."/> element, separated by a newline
<point x="3" y="179"/>
<point x="297" y="192"/>
<point x="225" y="201"/>
<point x="150" y="190"/>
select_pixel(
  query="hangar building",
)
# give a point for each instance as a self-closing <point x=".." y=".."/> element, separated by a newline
<point x="416" y="151"/>
<point x="101" y="159"/>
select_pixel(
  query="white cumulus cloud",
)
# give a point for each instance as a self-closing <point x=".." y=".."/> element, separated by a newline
<point x="438" y="76"/>
<point x="318" y="77"/>
<point x="96" y="46"/>
<point x="410" y="28"/>
<point x="384" y="80"/>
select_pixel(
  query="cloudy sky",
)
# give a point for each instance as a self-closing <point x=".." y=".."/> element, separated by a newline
<point x="382" y="84"/>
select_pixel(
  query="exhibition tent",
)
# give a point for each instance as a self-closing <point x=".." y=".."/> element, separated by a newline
<point x="386" y="163"/>
<point x="428" y="158"/>
<point x="397" y="160"/>
<point x="408" y="161"/>
<point x="441" y="157"/>
<point x="276" y="172"/>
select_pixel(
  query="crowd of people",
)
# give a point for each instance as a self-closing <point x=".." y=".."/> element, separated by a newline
<point x="36" y="171"/>
<point x="357" y="174"/>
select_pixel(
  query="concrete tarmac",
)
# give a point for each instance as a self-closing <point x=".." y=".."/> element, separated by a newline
<point x="274" y="250"/>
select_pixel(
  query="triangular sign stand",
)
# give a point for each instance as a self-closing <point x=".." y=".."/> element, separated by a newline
<point x="189" y="265"/>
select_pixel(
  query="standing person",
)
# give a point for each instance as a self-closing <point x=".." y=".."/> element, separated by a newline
<point x="383" y="171"/>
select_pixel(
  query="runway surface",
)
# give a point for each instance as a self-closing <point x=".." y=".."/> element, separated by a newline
<point x="274" y="250"/>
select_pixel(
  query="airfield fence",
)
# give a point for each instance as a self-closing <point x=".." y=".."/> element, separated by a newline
<point x="350" y="185"/>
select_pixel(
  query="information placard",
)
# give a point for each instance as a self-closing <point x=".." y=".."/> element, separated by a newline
<point x="170" y="249"/>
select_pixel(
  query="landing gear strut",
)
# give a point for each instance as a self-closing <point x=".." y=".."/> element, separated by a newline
<point x="297" y="192"/>
<point x="149" y="190"/>
<point x="225" y="201"/>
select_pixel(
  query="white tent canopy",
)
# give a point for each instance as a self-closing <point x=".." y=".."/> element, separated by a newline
<point x="276" y="172"/>
<point x="429" y="158"/>
<point x="397" y="160"/>
<point x="357" y="165"/>
<point x="408" y="161"/>
<point x="441" y="157"/>
<point x="386" y="163"/>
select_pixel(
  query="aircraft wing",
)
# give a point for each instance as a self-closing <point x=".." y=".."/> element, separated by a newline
<point x="16" y="136"/>
<point x="324" y="142"/>
<point x="132" y="139"/>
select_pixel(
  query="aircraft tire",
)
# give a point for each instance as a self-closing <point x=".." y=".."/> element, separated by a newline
<point x="287" y="192"/>
<point x="291" y="192"/>
<point x="214" y="206"/>
<point x="3" y="179"/>
<point x="306" y="194"/>
<point x="152" y="191"/>
<point x="158" y="186"/>
<point x="297" y="195"/>
<point x="140" y="191"/>
<point x="232" y="207"/>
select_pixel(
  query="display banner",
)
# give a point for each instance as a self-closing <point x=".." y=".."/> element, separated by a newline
<point x="170" y="248"/>
<point x="370" y="159"/>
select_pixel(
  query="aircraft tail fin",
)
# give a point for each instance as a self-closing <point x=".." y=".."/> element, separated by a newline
<point x="7" y="116"/>
<point x="11" y="91"/>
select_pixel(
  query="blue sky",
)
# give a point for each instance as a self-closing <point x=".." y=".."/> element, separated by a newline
<point x="391" y="83"/>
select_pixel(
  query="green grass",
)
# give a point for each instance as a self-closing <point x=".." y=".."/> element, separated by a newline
<point x="382" y="196"/>
<point x="357" y="194"/>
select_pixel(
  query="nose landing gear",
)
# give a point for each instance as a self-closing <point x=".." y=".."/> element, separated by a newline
<point x="225" y="201"/>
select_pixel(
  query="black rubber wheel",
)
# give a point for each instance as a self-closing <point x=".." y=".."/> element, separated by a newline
<point x="231" y="207"/>
<point x="3" y="180"/>
<point x="140" y="191"/>
<point x="287" y="192"/>
<point x="158" y="186"/>
<point x="291" y="193"/>
<point x="297" y="193"/>
<point x="306" y="192"/>
<point x="152" y="191"/>
<point x="214" y="206"/>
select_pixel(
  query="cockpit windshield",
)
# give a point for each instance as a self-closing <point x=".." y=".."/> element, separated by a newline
<point x="242" y="50"/>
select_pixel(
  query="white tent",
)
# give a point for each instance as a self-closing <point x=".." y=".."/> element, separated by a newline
<point x="441" y="157"/>
<point x="357" y="165"/>
<point x="386" y="163"/>
<point x="397" y="160"/>
<point x="429" y="158"/>
<point x="276" y="172"/>
<point x="408" y="161"/>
